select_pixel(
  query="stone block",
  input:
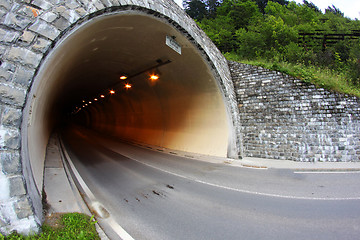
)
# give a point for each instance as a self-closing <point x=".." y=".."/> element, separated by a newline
<point x="45" y="5"/>
<point x="24" y="56"/>
<point x="23" y="76"/>
<point x="43" y="28"/>
<point x="16" y="21"/>
<point x="23" y="208"/>
<point x="41" y="45"/>
<point x="8" y="36"/>
<point x="107" y="3"/>
<point x="70" y="15"/>
<point x="27" y="37"/>
<point x="17" y="187"/>
<point x="10" y="162"/>
<point x="9" y="138"/>
<point x="81" y="11"/>
<point x="12" y="96"/>
<point x="99" y="4"/>
<point x="55" y="2"/>
<point x="5" y="75"/>
<point x="11" y="117"/>
<point x="6" y="4"/>
<point x="62" y="23"/>
<point x="6" y="213"/>
<point x="49" y="17"/>
<point x="2" y="51"/>
<point x="4" y="187"/>
<point x="72" y="4"/>
<point x="29" y="12"/>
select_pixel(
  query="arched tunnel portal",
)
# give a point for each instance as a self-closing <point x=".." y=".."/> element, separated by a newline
<point x="183" y="110"/>
<point x="191" y="107"/>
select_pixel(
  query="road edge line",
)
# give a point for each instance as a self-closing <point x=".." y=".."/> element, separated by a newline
<point x="120" y="231"/>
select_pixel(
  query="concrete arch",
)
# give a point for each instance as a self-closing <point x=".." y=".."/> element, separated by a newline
<point x="36" y="35"/>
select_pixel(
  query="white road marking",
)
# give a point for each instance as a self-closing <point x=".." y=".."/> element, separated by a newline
<point x="327" y="172"/>
<point x="243" y="190"/>
<point x="109" y="220"/>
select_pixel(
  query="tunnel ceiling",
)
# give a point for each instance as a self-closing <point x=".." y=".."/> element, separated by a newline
<point x="101" y="52"/>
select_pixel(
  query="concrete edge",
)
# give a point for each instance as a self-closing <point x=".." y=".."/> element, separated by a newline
<point x="256" y="163"/>
<point x="81" y="202"/>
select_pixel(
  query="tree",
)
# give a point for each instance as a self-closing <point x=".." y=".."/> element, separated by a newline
<point x="195" y="8"/>
<point x="334" y="10"/>
<point x="212" y="6"/>
<point x="263" y="3"/>
<point x="312" y="6"/>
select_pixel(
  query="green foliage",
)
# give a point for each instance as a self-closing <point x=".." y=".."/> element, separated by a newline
<point x="196" y="9"/>
<point x="273" y="31"/>
<point x="74" y="226"/>
<point x="321" y="77"/>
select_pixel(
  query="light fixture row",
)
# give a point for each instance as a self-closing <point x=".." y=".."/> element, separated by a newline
<point x="127" y="86"/>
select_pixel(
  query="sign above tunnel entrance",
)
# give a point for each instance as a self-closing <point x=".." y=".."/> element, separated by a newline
<point x="170" y="41"/>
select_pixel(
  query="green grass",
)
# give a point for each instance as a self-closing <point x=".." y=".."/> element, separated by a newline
<point x="337" y="81"/>
<point x="71" y="226"/>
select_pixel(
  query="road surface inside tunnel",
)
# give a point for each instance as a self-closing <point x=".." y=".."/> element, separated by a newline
<point x="155" y="195"/>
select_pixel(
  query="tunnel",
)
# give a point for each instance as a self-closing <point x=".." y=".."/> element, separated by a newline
<point x="99" y="76"/>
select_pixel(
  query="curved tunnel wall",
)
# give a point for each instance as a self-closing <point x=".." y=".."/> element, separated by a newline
<point x="33" y="47"/>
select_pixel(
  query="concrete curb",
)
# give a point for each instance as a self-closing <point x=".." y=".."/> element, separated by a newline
<point x="262" y="163"/>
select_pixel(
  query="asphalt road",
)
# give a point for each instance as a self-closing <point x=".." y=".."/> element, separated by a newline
<point x="154" y="195"/>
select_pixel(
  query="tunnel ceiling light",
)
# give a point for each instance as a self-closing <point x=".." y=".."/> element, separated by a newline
<point x="86" y="104"/>
<point x="154" y="77"/>
<point x="123" y="77"/>
<point x="128" y="86"/>
<point x="95" y="99"/>
<point x="90" y="102"/>
<point x="102" y="96"/>
<point x="112" y="92"/>
<point x="83" y="100"/>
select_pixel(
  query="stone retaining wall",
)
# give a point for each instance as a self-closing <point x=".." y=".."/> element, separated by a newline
<point x="286" y="118"/>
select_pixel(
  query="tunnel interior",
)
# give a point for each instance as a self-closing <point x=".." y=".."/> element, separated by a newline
<point x="182" y="110"/>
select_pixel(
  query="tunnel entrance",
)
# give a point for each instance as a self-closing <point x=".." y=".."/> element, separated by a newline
<point x="82" y="81"/>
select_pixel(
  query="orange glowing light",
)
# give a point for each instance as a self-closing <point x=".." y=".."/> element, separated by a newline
<point x="154" y="77"/>
<point x="128" y="86"/>
<point x="86" y="104"/>
<point x="83" y="100"/>
<point x="123" y="77"/>
<point x="95" y="99"/>
<point x="90" y="102"/>
<point x="102" y="96"/>
<point x="112" y="91"/>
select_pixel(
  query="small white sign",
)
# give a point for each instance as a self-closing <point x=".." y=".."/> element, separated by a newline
<point x="173" y="44"/>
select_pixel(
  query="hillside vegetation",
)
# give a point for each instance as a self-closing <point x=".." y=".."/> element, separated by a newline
<point x="298" y="39"/>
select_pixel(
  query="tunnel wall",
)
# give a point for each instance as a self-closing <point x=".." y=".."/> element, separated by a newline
<point x="285" y="118"/>
<point x="184" y="119"/>
<point x="29" y="31"/>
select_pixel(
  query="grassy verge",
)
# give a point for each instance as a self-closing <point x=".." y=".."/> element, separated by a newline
<point x="67" y="226"/>
<point x="322" y="77"/>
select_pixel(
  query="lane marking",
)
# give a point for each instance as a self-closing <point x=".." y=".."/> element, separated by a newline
<point x="120" y="231"/>
<point x="327" y="172"/>
<point x="246" y="191"/>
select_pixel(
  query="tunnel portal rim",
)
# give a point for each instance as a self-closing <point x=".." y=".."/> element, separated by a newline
<point x="36" y="194"/>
